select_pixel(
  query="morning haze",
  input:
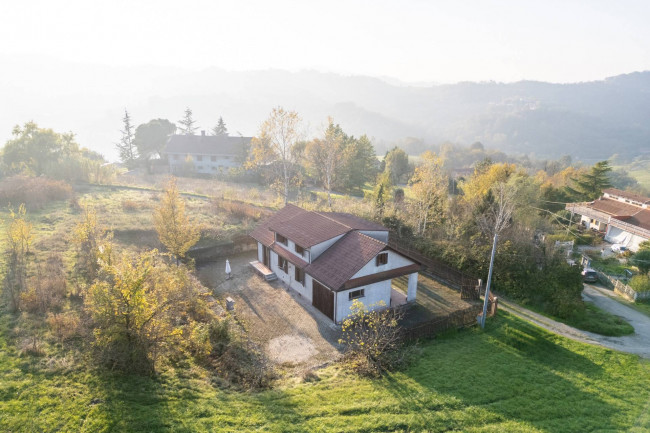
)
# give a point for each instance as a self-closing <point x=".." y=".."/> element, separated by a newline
<point x="336" y="216"/>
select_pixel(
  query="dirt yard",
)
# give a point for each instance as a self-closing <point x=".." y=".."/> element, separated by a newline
<point x="294" y="334"/>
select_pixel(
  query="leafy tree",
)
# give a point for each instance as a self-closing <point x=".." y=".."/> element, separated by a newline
<point x="151" y="137"/>
<point x="277" y="147"/>
<point x="126" y="146"/>
<point x="396" y="162"/>
<point x="641" y="259"/>
<point x="429" y="187"/>
<point x="19" y="239"/>
<point x="482" y="181"/>
<point x="187" y="123"/>
<point x="324" y="156"/>
<point x="93" y="245"/>
<point x="220" y="128"/>
<point x="175" y="230"/>
<point x="136" y="308"/>
<point x="590" y="186"/>
<point x="359" y="164"/>
<point x="382" y="192"/>
<point x="32" y="149"/>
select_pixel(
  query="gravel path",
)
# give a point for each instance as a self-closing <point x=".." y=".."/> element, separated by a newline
<point x="637" y="343"/>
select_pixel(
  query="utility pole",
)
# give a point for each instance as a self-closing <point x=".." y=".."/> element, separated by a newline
<point x="487" y="287"/>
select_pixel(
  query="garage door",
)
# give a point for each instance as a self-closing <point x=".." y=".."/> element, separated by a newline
<point x="323" y="299"/>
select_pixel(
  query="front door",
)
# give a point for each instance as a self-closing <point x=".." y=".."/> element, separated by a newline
<point x="265" y="254"/>
<point x="323" y="299"/>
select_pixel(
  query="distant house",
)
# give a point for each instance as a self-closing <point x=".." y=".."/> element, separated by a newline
<point x="332" y="259"/>
<point x="208" y="153"/>
<point x="624" y="217"/>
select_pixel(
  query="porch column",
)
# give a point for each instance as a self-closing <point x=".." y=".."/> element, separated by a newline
<point x="412" y="288"/>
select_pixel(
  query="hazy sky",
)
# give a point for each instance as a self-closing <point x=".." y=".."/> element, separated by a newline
<point x="413" y="41"/>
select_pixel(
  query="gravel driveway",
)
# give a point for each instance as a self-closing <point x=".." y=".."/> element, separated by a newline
<point x="637" y="343"/>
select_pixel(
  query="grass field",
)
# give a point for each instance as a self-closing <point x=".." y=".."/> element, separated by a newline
<point x="513" y="378"/>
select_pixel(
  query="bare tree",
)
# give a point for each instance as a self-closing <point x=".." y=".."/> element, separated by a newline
<point x="497" y="215"/>
<point x="276" y="145"/>
<point x="325" y="156"/>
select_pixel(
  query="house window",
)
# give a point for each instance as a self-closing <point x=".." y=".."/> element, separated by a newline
<point x="300" y="250"/>
<point x="300" y="276"/>
<point x="213" y="158"/>
<point x="283" y="264"/>
<point x="281" y="239"/>
<point x="356" y="294"/>
<point x="382" y="259"/>
<point x="199" y="157"/>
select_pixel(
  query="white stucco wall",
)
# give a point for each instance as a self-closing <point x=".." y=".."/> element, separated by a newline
<point x="374" y="293"/>
<point x="318" y="249"/>
<point x="394" y="261"/>
<point x="206" y="165"/>
<point x="379" y="235"/>
<point x="289" y="278"/>
<point x="291" y="247"/>
<point x="260" y="252"/>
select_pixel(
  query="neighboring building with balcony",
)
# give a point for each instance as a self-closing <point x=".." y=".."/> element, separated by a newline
<point x="208" y="154"/>
<point x="624" y="217"/>
<point x="332" y="259"/>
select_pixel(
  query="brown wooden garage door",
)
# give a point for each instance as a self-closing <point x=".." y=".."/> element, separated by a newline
<point x="323" y="299"/>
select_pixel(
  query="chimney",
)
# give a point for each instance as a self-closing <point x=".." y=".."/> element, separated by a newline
<point x="202" y="133"/>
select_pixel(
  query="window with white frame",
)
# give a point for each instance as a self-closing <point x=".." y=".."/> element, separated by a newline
<point x="283" y="264"/>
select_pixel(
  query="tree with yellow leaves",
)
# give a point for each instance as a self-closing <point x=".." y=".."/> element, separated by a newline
<point x="19" y="237"/>
<point x="175" y="230"/>
<point x="429" y="188"/>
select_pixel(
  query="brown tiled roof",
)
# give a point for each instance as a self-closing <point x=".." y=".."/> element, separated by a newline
<point x="345" y="258"/>
<point x="640" y="219"/>
<point x="309" y="228"/>
<point x="353" y="221"/>
<point x="207" y="144"/>
<point x="627" y="194"/>
<point x="262" y="232"/>
<point x="614" y="207"/>
<point x="283" y="252"/>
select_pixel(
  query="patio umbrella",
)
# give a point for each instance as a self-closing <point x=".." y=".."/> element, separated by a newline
<point x="228" y="270"/>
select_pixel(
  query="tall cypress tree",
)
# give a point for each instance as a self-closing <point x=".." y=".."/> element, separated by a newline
<point x="187" y="123"/>
<point x="126" y="146"/>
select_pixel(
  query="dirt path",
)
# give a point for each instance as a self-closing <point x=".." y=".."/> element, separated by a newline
<point x="637" y="343"/>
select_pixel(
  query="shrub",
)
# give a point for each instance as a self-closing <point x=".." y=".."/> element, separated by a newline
<point x="372" y="339"/>
<point x="35" y="192"/>
<point x="640" y="283"/>
<point x="64" y="326"/>
<point x="131" y="205"/>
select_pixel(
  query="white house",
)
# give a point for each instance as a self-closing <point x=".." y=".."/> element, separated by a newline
<point x="332" y="259"/>
<point x="623" y="216"/>
<point x="208" y="153"/>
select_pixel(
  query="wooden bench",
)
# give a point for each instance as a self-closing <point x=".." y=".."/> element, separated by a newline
<point x="265" y="272"/>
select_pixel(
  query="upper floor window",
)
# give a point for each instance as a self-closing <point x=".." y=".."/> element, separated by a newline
<point x="213" y="158"/>
<point x="300" y="250"/>
<point x="281" y="239"/>
<point x="199" y="158"/>
<point x="382" y="259"/>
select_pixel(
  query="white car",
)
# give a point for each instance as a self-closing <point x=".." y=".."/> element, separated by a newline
<point x="619" y="248"/>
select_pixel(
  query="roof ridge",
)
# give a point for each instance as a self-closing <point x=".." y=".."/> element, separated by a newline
<point x="331" y="219"/>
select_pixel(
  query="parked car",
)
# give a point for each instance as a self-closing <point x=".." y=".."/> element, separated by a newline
<point x="619" y="248"/>
<point x="589" y="276"/>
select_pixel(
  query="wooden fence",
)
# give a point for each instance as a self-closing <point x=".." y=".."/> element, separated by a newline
<point x="454" y="320"/>
<point x="467" y="285"/>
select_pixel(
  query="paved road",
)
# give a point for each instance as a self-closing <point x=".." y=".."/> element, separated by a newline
<point x="637" y="343"/>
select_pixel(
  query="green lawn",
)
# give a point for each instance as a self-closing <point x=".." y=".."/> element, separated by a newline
<point x="513" y="378"/>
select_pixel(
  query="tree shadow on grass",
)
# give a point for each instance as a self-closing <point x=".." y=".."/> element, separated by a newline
<point x="513" y="371"/>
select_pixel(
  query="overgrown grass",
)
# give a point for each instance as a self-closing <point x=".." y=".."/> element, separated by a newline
<point x="596" y="320"/>
<point x="514" y="377"/>
<point x="592" y="319"/>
